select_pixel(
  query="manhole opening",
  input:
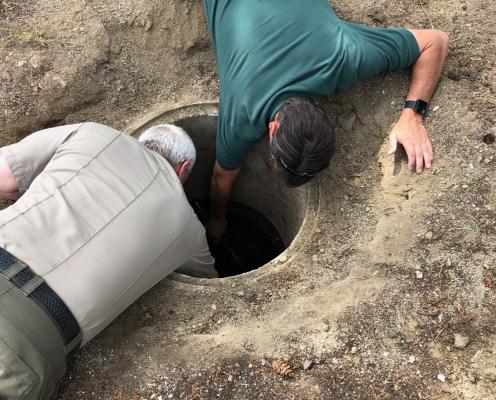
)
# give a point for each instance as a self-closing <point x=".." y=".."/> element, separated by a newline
<point x="264" y="214"/>
<point x="264" y="217"/>
<point x="250" y="240"/>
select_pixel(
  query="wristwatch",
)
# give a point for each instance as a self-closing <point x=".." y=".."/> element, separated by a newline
<point x="419" y="106"/>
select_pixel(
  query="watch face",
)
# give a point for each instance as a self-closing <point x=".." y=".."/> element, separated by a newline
<point x="421" y="107"/>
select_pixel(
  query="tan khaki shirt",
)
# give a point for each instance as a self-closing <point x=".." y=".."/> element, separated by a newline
<point x="102" y="219"/>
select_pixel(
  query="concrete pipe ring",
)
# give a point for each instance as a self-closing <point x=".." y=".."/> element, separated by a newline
<point x="292" y="212"/>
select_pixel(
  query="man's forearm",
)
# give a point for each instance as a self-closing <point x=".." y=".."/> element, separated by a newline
<point x="220" y="193"/>
<point x="409" y="130"/>
<point x="426" y="71"/>
<point x="219" y="197"/>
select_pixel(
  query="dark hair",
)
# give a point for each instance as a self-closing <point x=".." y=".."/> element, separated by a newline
<point x="304" y="142"/>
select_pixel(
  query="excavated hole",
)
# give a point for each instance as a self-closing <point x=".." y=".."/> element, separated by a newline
<point x="265" y="217"/>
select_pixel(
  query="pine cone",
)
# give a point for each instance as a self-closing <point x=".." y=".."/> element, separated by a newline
<point x="282" y="368"/>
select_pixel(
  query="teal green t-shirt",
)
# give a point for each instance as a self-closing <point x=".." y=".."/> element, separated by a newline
<point x="268" y="51"/>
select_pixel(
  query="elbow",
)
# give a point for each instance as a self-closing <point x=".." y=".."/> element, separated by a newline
<point x="442" y="41"/>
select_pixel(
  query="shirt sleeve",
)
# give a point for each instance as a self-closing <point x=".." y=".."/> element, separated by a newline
<point x="370" y="51"/>
<point x="230" y="148"/>
<point x="201" y="264"/>
<point x="27" y="158"/>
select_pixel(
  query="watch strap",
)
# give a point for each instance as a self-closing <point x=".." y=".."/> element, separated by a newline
<point x="419" y="106"/>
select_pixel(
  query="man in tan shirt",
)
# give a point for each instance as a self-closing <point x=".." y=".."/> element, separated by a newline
<point x="99" y="219"/>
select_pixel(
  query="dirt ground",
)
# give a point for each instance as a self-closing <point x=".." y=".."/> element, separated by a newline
<point x="399" y="267"/>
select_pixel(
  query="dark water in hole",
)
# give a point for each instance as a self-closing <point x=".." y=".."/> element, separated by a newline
<point x="249" y="242"/>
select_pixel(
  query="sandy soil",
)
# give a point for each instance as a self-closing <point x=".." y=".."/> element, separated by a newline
<point x="399" y="265"/>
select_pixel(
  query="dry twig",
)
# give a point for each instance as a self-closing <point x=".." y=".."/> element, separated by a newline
<point x="426" y="14"/>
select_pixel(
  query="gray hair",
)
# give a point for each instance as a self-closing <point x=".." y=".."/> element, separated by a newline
<point x="172" y="143"/>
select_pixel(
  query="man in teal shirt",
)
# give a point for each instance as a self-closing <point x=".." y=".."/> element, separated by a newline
<point x="275" y="58"/>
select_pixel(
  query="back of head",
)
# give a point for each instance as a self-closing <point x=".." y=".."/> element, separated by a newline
<point x="172" y="143"/>
<point x="304" y="142"/>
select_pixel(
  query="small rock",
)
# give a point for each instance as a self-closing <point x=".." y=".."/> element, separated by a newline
<point x="241" y="293"/>
<point x="263" y="363"/>
<point x="429" y="235"/>
<point x="115" y="48"/>
<point x="148" y="24"/>
<point x="354" y="349"/>
<point x="326" y="328"/>
<point x="412" y="359"/>
<point x="480" y="158"/>
<point x="315" y="258"/>
<point x="282" y="259"/>
<point x="461" y="341"/>
<point x="441" y="377"/>
<point x="488" y="138"/>
<point x="449" y="263"/>
<point x="347" y="121"/>
<point x="318" y="230"/>
<point x="437" y="108"/>
<point x="120" y="86"/>
<point x="38" y="62"/>
<point x="214" y="307"/>
<point x="230" y="378"/>
<point x="419" y="274"/>
<point x="471" y="377"/>
<point x="307" y="365"/>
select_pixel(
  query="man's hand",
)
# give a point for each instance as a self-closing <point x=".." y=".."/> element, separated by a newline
<point x="410" y="132"/>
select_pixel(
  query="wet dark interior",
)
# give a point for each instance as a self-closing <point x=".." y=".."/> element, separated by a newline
<point x="249" y="242"/>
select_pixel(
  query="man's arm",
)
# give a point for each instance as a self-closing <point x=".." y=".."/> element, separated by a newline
<point x="25" y="160"/>
<point x="220" y="193"/>
<point x="201" y="264"/>
<point x="8" y="183"/>
<point x="409" y="130"/>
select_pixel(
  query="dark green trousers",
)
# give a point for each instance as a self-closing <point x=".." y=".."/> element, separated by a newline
<point x="32" y="356"/>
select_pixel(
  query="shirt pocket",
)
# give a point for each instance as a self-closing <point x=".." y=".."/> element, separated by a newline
<point x="16" y="377"/>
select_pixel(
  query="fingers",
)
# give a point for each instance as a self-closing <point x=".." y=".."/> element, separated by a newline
<point x="419" y="160"/>
<point x="411" y="159"/>
<point x="393" y="144"/>
<point x="428" y="154"/>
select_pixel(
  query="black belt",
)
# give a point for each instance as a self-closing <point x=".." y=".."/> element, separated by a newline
<point x="32" y="285"/>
